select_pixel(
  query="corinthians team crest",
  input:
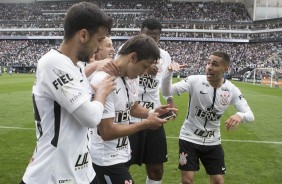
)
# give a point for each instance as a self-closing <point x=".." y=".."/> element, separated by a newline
<point x="182" y="158"/>
<point x="224" y="98"/>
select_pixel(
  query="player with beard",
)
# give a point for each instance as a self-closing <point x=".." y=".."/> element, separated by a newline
<point x="64" y="108"/>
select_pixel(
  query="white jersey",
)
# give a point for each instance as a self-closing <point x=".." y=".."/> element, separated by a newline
<point x="206" y="106"/>
<point x="117" y="106"/>
<point x="149" y="86"/>
<point x="61" y="154"/>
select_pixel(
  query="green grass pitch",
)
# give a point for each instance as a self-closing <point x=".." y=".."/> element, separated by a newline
<point x="253" y="152"/>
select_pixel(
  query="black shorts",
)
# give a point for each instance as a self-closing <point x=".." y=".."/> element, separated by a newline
<point x="115" y="174"/>
<point x="148" y="147"/>
<point x="212" y="157"/>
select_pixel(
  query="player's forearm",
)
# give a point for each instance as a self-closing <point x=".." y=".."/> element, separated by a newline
<point x="246" y="116"/>
<point x="89" y="69"/>
<point x="89" y="114"/>
<point x="166" y="85"/>
<point x="116" y="131"/>
<point x="139" y="111"/>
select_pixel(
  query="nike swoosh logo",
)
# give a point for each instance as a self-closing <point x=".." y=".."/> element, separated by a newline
<point x="203" y="92"/>
<point x="223" y="168"/>
<point x="118" y="90"/>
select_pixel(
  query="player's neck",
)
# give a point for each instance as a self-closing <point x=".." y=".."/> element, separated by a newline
<point x="68" y="51"/>
<point x="217" y="84"/>
<point x="121" y="63"/>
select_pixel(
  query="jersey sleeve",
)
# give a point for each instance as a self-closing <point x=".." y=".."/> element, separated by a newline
<point x="167" y="76"/>
<point x="244" y="110"/>
<point x="63" y="82"/>
<point x="183" y="86"/>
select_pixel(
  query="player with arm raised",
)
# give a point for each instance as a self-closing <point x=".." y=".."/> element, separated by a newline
<point x="210" y="96"/>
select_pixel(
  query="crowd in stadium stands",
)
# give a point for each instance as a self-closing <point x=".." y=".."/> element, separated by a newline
<point x="243" y="55"/>
<point x="129" y="14"/>
<point x="213" y="11"/>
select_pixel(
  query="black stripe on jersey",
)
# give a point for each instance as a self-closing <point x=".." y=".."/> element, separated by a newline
<point x="36" y="113"/>
<point x="212" y="106"/>
<point x="57" y="122"/>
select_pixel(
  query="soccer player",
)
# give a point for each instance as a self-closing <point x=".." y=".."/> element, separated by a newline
<point x="63" y="104"/>
<point x="103" y="56"/>
<point x="110" y="148"/>
<point x="149" y="146"/>
<point x="210" y="96"/>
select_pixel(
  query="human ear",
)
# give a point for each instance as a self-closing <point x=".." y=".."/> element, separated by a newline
<point x="83" y="35"/>
<point x="133" y="57"/>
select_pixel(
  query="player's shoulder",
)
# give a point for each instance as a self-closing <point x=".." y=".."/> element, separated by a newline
<point x="200" y="78"/>
<point x="164" y="53"/>
<point x="98" y="76"/>
<point x="54" y="58"/>
<point x="230" y="86"/>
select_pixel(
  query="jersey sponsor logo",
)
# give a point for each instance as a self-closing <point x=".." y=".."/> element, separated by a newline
<point x="205" y="84"/>
<point x="65" y="181"/>
<point x="183" y="158"/>
<point x="204" y="133"/>
<point x="122" y="143"/>
<point x="224" y="98"/>
<point x="208" y="114"/>
<point x="81" y="162"/>
<point x="224" y="89"/>
<point x="148" y="105"/>
<point x="62" y="80"/>
<point x="122" y="116"/>
<point x="148" y="82"/>
<point x="75" y="97"/>
<point x="241" y="97"/>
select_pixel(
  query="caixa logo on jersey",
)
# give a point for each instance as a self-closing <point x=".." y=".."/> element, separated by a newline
<point x="81" y="162"/>
<point x="208" y="114"/>
<point x="148" y="82"/>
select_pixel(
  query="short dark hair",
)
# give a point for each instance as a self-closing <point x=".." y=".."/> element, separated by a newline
<point x="85" y="16"/>
<point x="225" y="57"/>
<point x="151" y="24"/>
<point x="144" y="46"/>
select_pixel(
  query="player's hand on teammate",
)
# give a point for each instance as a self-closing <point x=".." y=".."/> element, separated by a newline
<point x="233" y="122"/>
<point x="106" y="86"/>
<point x="174" y="66"/>
<point x="107" y="65"/>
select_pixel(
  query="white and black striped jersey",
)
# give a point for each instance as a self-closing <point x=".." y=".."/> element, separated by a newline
<point x="206" y="106"/>
<point x="117" y="106"/>
<point x="149" y="86"/>
<point x="61" y="154"/>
